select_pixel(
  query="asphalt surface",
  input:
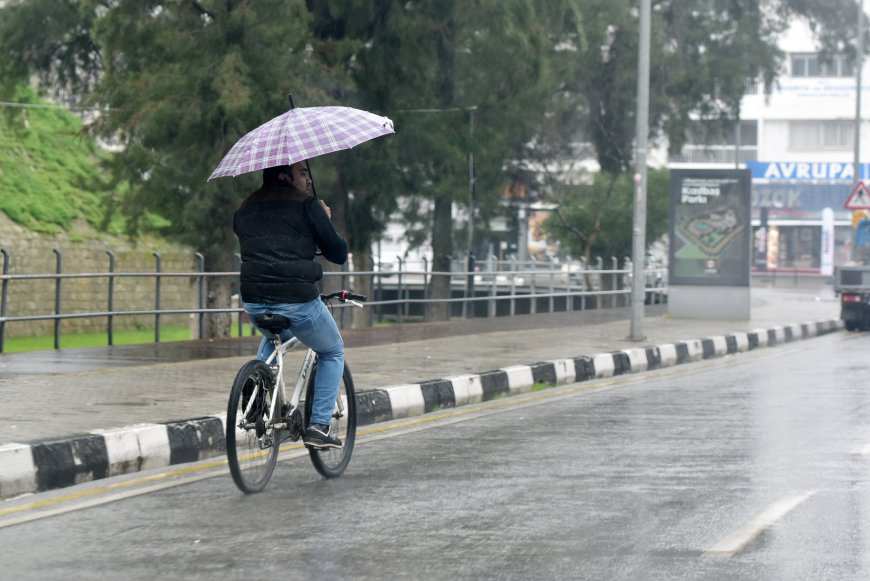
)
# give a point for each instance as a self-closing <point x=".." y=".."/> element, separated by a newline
<point x="746" y="467"/>
<point x="59" y="393"/>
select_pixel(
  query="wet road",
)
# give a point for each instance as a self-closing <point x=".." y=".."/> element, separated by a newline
<point x="751" y="467"/>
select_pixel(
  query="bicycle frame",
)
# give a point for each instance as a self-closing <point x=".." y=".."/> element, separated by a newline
<point x="276" y="360"/>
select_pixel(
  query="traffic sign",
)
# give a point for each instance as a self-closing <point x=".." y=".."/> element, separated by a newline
<point x="859" y="199"/>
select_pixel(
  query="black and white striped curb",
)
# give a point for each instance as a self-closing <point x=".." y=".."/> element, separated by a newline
<point x="55" y="463"/>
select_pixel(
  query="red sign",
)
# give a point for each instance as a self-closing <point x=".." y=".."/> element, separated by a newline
<point x="859" y="199"/>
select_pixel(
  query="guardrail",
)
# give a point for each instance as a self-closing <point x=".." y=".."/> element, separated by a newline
<point x="485" y="288"/>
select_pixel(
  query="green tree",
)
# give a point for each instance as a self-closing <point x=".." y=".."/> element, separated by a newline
<point x="577" y="215"/>
<point x="179" y="83"/>
<point x="432" y="65"/>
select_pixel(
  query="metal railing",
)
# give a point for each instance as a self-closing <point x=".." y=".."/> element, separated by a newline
<point x="486" y="288"/>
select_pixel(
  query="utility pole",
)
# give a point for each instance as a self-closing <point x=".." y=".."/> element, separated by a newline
<point x="472" y="203"/>
<point x="472" y="200"/>
<point x="638" y="280"/>
<point x="859" y="66"/>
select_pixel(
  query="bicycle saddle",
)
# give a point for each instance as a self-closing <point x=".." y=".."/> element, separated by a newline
<point x="272" y="323"/>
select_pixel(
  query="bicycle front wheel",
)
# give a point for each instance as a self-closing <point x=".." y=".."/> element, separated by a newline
<point x="331" y="462"/>
<point x="252" y="440"/>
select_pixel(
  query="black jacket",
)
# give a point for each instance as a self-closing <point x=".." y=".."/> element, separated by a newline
<point x="280" y="229"/>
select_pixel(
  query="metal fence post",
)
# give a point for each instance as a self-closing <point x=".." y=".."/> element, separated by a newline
<point x="343" y="285"/>
<point x="614" y="284"/>
<point x="425" y="281"/>
<point x="552" y="288"/>
<point x="157" y="297"/>
<point x="513" y="291"/>
<point x="599" y="298"/>
<point x="376" y="289"/>
<point x="468" y="303"/>
<point x="469" y="289"/>
<point x="4" y="290"/>
<point x="58" y="270"/>
<point x="533" y="306"/>
<point x="201" y="259"/>
<point x="400" y="291"/>
<point x="111" y="299"/>
<point x="569" y="296"/>
<point x="491" y="312"/>
<point x="237" y="266"/>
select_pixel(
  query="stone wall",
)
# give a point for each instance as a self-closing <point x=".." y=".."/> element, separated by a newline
<point x="33" y="253"/>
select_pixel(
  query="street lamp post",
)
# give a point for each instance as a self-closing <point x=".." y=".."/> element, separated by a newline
<point x="638" y="282"/>
<point x="472" y="205"/>
<point x="859" y="66"/>
<point x="859" y="69"/>
<point x="472" y="200"/>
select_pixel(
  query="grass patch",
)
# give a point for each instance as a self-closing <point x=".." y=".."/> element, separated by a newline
<point x="77" y="340"/>
<point x="100" y="339"/>
<point x="49" y="169"/>
<point x="52" y="171"/>
<point x="540" y="386"/>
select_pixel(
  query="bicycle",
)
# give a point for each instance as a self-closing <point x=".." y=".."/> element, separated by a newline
<point x="260" y="417"/>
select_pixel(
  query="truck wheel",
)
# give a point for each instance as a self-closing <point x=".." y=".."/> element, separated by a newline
<point x="852" y="325"/>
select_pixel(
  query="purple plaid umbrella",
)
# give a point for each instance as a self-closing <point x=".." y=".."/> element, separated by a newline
<point x="300" y="134"/>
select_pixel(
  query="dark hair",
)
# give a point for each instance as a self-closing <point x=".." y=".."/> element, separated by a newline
<point x="270" y="174"/>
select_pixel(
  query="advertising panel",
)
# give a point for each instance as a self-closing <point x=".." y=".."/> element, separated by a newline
<point x="710" y="213"/>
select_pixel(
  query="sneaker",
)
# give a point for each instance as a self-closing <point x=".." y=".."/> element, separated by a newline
<point x="320" y="436"/>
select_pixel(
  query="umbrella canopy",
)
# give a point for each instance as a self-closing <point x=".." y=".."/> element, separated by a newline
<point x="300" y="134"/>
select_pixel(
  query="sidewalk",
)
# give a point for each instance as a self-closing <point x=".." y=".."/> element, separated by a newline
<point x="79" y="415"/>
<point x="60" y="393"/>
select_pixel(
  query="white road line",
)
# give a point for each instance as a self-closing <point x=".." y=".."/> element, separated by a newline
<point x="862" y="451"/>
<point x="738" y="540"/>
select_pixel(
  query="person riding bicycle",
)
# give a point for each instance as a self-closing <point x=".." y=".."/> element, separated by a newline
<point x="280" y="227"/>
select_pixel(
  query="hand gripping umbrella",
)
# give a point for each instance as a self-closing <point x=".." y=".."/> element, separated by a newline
<point x="300" y="134"/>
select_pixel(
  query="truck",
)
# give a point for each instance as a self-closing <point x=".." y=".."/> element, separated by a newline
<point x="852" y="285"/>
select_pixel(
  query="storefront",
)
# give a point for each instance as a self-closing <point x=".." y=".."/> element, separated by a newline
<point x="787" y="203"/>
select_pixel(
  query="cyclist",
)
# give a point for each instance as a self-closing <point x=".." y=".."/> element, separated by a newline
<point x="280" y="227"/>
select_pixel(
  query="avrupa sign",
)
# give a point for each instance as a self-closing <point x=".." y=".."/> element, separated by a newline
<point x="710" y="227"/>
<point x="806" y="171"/>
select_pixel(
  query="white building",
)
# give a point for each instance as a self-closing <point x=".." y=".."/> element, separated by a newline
<point x="799" y="143"/>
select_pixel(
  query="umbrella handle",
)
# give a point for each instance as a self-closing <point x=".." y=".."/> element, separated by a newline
<point x="307" y="165"/>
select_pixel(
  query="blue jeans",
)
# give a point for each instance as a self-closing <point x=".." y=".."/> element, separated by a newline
<point x="312" y="324"/>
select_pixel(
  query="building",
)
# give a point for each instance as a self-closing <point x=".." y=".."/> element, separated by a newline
<point x="799" y="143"/>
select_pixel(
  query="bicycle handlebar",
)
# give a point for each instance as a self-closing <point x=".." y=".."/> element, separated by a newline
<point x="344" y="296"/>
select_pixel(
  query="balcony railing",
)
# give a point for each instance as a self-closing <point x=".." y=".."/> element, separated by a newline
<point x="715" y="154"/>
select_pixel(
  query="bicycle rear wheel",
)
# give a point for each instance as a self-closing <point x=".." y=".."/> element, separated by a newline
<point x="252" y="440"/>
<point x="331" y="462"/>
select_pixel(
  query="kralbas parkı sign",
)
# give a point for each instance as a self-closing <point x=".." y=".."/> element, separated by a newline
<point x="710" y="227"/>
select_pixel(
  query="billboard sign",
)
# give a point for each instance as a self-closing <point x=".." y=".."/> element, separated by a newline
<point x="710" y="227"/>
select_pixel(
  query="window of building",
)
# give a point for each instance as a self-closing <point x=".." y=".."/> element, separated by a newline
<point x="810" y="65"/>
<point x="705" y="133"/>
<point x="813" y="135"/>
